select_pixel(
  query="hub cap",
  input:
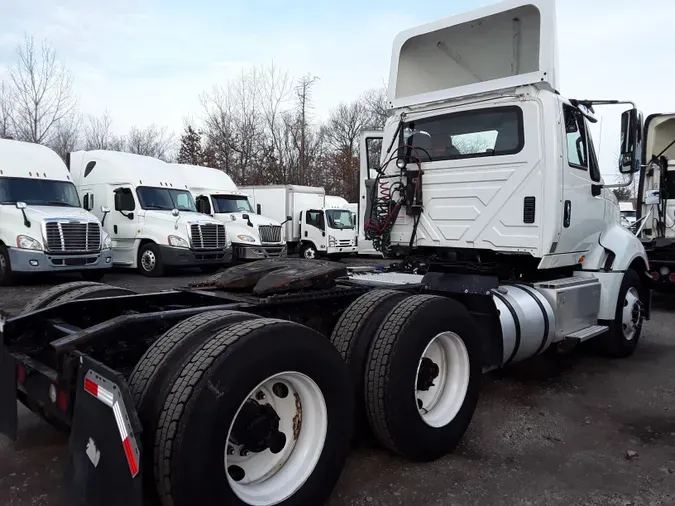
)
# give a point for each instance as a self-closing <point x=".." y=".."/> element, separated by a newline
<point x="632" y="313"/>
<point x="310" y="254"/>
<point x="148" y="260"/>
<point x="442" y="379"/>
<point x="276" y="439"/>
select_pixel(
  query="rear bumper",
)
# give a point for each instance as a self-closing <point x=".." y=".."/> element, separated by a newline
<point x="182" y="257"/>
<point x="253" y="252"/>
<point x="40" y="261"/>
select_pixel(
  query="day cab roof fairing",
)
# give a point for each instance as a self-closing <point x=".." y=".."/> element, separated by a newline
<point x="502" y="46"/>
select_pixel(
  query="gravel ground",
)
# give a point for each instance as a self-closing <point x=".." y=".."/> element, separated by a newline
<point x="547" y="432"/>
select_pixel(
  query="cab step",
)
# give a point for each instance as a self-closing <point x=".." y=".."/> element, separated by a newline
<point x="588" y="332"/>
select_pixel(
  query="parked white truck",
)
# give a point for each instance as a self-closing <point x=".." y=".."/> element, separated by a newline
<point x="252" y="236"/>
<point x="43" y="228"/>
<point x="154" y="223"/>
<point x="655" y="222"/>
<point x="488" y="182"/>
<point x="309" y="227"/>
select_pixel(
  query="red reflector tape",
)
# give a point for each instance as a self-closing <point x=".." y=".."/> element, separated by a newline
<point x="133" y="465"/>
<point x="91" y="387"/>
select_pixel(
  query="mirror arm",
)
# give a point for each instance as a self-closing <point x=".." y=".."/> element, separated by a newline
<point x="620" y="185"/>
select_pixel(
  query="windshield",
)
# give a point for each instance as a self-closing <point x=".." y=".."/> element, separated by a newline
<point x="231" y="204"/>
<point x="165" y="199"/>
<point x="629" y="214"/>
<point x="339" y="218"/>
<point x="38" y="192"/>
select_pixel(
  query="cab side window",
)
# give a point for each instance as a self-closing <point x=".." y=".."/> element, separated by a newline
<point x="314" y="218"/>
<point x="577" y="150"/>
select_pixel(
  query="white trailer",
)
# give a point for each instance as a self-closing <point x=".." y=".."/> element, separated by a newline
<point x="309" y="227"/>
<point x="43" y="228"/>
<point x="154" y="223"/>
<point x="252" y="235"/>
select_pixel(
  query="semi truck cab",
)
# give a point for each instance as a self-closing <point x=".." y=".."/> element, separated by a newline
<point x="154" y="223"/>
<point x="43" y="228"/>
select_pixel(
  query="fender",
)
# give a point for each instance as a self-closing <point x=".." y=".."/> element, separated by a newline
<point x="625" y="246"/>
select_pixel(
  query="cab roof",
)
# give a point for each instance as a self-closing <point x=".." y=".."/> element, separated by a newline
<point x="25" y="159"/>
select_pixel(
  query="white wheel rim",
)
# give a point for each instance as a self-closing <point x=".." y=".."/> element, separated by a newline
<point x="632" y="313"/>
<point x="148" y="260"/>
<point x="438" y="404"/>
<point x="272" y="478"/>
<point x="309" y="253"/>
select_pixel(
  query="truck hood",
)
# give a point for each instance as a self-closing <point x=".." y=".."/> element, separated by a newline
<point x="38" y="213"/>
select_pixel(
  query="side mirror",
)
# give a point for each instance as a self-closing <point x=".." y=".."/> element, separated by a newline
<point x="175" y="213"/>
<point x="21" y="205"/>
<point x="289" y="218"/>
<point x="105" y="210"/>
<point x="118" y="201"/>
<point x="245" y="216"/>
<point x="630" y="159"/>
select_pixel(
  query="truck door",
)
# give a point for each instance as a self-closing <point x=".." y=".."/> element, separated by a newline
<point x="371" y="150"/>
<point x="583" y="205"/>
<point x="313" y="228"/>
<point x="122" y="225"/>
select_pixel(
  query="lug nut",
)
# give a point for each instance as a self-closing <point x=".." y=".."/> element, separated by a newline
<point x="260" y="396"/>
<point x="230" y="450"/>
<point x="243" y="452"/>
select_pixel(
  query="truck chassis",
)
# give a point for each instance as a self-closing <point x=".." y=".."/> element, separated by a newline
<point x="147" y="384"/>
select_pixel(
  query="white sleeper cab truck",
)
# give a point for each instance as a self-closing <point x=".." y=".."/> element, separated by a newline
<point x="42" y="226"/>
<point x="655" y="222"/>
<point x="153" y="222"/>
<point x="309" y="227"/>
<point x="488" y="185"/>
<point x="253" y="236"/>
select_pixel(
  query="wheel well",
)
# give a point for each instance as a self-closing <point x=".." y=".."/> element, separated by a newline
<point x="640" y="266"/>
<point x="144" y="242"/>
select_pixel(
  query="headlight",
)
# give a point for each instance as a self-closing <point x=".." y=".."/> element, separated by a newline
<point x="107" y="242"/>
<point x="178" y="242"/>
<point x="331" y="240"/>
<point x="246" y="238"/>
<point x="26" y="242"/>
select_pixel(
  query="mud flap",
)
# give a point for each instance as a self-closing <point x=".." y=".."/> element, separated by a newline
<point x="104" y="467"/>
<point x="8" y="410"/>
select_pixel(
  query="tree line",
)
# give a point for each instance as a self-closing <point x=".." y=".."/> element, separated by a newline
<point x="259" y="127"/>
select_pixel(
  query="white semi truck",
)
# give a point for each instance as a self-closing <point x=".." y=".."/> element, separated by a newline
<point x="154" y="224"/>
<point x="655" y="222"/>
<point x="310" y="228"/>
<point x="252" y="235"/>
<point x="43" y="228"/>
<point x="488" y="182"/>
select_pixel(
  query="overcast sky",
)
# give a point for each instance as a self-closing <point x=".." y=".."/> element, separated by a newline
<point x="147" y="61"/>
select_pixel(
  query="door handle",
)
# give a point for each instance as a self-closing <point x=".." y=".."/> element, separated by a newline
<point x="305" y="233"/>
<point x="115" y="229"/>
<point x="567" y="217"/>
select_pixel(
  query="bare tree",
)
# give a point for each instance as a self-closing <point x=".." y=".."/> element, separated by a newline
<point x="152" y="141"/>
<point x="5" y="112"/>
<point x="375" y="101"/>
<point x="40" y="93"/>
<point x="66" y="136"/>
<point x="98" y="133"/>
<point x="304" y="96"/>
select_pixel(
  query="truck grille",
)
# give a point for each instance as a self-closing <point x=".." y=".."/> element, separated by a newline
<point x="270" y="233"/>
<point x="208" y="236"/>
<point x="72" y="237"/>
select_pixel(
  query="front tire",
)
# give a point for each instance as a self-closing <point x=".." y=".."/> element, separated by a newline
<point x="309" y="252"/>
<point x="423" y="377"/>
<point x="6" y="274"/>
<point x="622" y="338"/>
<point x="240" y="381"/>
<point x="150" y="260"/>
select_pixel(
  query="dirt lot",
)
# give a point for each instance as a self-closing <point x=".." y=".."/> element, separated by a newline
<point x="545" y="433"/>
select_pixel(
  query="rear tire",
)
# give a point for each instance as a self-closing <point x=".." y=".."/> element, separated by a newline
<point x="6" y="274"/>
<point x="622" y="338"/>
<point x="191" y="456"/>
<point x="411" y="411"/>
<point x="353" y="335"/>
<point x="91" y="292"/>
<point x="43" y="300"/>
<point x="150" y="261"/>
<point x="151" y="379"/>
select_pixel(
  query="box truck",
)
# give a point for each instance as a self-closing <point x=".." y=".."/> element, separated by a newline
<point x="309" y="228"/>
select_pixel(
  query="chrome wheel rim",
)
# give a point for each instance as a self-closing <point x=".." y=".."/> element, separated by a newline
<point x="148" y="260"/>
<point x="631" y="315"/>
